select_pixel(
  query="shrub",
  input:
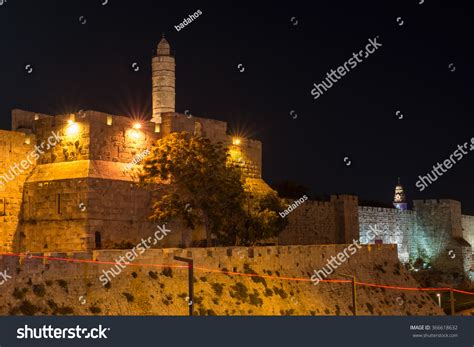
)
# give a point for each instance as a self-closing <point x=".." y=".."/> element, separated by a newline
<point x="128" y="296"/>
<point x="28" y="309"/>
<point x="39" y="290"/>
<point x="95" y="310"/>
<point x="65" y="310"/>
<point x="280" y="292"/>
<point x="62" y="284"/>
<point x="153" y="275"/>
<point x="168" y="272"/>
<point x="19" y="294"/>
<point x="370" y="308"/>
<point x="256" y="279"/>
<point x="108" y="285"/>
<point x="240" y="291"/>
<point x="218" y="288"/>
<point x="204" y="279"/>
<point x="255" y="299"/>
<point x="268" y="292"/>
<point x="134" y="274"/>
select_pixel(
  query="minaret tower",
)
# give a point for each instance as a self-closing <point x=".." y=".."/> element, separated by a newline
<point x="163" y="81"/>
<point x="399" y="201"/>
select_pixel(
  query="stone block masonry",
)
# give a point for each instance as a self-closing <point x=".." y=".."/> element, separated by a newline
<point x="59" y="287"/>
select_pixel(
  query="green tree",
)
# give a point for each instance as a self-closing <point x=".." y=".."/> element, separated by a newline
<point x="205" y="188"/>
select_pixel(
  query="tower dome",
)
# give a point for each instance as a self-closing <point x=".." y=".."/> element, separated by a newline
<point x="163" y="47"/>
<point x="399" y="200"/>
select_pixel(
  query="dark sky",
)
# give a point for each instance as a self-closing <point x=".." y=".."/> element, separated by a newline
<point x="88" y="66"/>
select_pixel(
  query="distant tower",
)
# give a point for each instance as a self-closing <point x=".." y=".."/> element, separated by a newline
<point x="163" y="81"/>
<point x="399" y="200"/>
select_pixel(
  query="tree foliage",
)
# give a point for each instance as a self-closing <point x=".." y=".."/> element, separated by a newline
<point x="205" y="188"/>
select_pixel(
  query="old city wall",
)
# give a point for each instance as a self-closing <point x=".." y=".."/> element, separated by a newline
<point x="322" y="222"/>
<point x="468" y="228"/>
<point x="313" y="222"/>
<point x="438" y="238"/>
<point x="15" y="148"/>
<point x="395" y="227"/>
<point x="43" y="286"/>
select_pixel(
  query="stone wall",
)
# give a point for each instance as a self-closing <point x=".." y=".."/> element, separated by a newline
<point x="65" y="287"/>
<point x="395" y="226"/>
<point x="313" y="222"/>
<point x="321" y="222"/>
<point x="15" y="150"/>
<point x="438" y="238"/>
<point x="468" y="228"/>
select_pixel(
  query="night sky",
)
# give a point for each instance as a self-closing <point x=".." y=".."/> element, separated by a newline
<point x="89" y="66"/>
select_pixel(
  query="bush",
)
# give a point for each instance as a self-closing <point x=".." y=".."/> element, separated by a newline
<point x="39" y="290"/>
<point x="218" y="288"/>
<point x="153" y="275"/>
<point x="62" y="284"/>
<point x="168" y="272"/>
<point x="65" y="310"/>
<point x="256" y="279"/>
<point x="240" y="291"/>
<point x="95" y="309"/>
<point x="255" y="299"/>
<point x="28" y="309"/>
<point x="268" y="292"/>
<point x="134" y="274"/>
<point x="280" y="292"/>
<point x="370" y="308"/>
<point x="19" y="294"/>
<point x="128" y="296"/>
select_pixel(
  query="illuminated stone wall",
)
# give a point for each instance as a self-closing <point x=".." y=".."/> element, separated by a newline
<point x="468" y="228"/>
<point x="14" y="149"/>
<point x="395" y="226"/>
<point x="438" y="236"/>
<point x="158" y="292"/>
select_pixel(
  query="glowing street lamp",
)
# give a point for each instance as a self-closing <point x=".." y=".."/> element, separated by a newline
<point x="439" y="299"/>
<point x="236" y="141"/>
<point x="137" y="126"/>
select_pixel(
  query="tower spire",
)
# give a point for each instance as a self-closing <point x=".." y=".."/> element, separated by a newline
<point x="163" y="81"/>
<point x="399" y="200"/>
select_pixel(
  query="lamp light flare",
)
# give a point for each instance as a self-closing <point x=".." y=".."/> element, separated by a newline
<point x="137" y="126"/>
<point x="236" y="141"/>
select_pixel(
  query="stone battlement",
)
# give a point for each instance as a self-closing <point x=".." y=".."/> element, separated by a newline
<point x="386" y="210"/>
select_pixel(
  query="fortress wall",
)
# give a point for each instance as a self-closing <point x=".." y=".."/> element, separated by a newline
<point x="53" y="218"/>
<point x="248" y="155"/>
<point x="154" y="290"/>
<point x="439" y="235"/>
<point x="395" y="227"/>
<point x="347" y="217"/>
<point x="94" y="138"/>
<point x="468" y="228"/>
<point x="313" y="222"/>
<point x="14" y="151"/>
<point x="119" y="141"/>
<point x="210" y="128"/>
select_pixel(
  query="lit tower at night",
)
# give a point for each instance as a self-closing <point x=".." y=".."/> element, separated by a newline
<point x="399" y="200"/>
<point x="163" y="81"/>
